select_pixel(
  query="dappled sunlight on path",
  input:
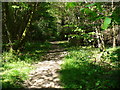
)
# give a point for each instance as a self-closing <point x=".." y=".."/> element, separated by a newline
<point x="46" y="74"/>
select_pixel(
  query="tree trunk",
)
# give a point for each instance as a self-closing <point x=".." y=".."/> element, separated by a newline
<point x="8" y="24"/>
<point x="102" y="46"/>
<point x="114" y="36"/>
<point x="16" y="31"/>
<point x="118" y="36"/>
<point x="98" y="38"/>
<point x="113" y="29"/>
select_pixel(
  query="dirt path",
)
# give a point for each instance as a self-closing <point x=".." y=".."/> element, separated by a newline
<point x="46" y="74"/>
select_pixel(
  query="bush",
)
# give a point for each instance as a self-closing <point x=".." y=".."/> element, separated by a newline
<point x="79" y="70"/>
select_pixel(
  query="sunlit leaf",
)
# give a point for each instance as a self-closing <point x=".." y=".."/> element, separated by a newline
<point x="70" y="26"/>
<point x="97" y="83"/>
<point x="82" y="9"/>
<point x="106" y="23"/>
<point x="15" y="6"/>
<point x="90" y="5"/>
<point x="91" y="33"/>
<point x="70" y="4"/>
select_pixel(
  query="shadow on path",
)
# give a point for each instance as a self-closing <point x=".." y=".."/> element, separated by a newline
<point x="46" y="73"/>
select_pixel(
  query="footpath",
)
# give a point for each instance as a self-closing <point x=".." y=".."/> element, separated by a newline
<point x="46" y="74"/>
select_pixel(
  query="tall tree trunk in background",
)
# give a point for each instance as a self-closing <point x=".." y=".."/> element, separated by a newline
<point x="15" y="26"/>
<point x="102" y="46"/>
<point x="98" y="38"/>
<point x="26" y="30"/>
<point x="113" y="28"/>
<point x="114" y="35"/>
<point x="8" y="23"/>
<point x="118" y="37"/>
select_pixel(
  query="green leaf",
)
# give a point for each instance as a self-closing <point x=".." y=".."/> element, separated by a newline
<point x="106" y="23"/>
<point x="100" y="17"/>
<point x="91" y="33"/>
<point x="82" y="9"/>
<point x="70" y="4"/>
<point x="90" y="12"/>
<point x="87" y="10"/>
<point x="70" y="26"/>
<point x="89" y="5"/>
<point x="98" y="5"/>
<point x="15" y="6"/>
<point x="97" y="83"/>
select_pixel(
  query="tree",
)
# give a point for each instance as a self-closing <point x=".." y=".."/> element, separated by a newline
<point x="94" y="15"/>
<point x="20" y="19"/>
<point x="13" y="15"/>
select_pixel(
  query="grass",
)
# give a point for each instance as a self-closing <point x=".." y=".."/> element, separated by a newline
<point x="17" y="65"/>
<point x="15" y="73"/>
<point x="80" y="70"/>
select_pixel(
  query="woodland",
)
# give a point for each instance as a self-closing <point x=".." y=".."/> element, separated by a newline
<point x="61" y="45"/>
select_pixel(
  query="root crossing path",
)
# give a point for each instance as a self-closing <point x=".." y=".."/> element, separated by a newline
<point x="46" y="74"/>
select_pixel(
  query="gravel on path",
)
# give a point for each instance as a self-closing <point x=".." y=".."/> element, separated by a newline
<point x="46" y="74"/>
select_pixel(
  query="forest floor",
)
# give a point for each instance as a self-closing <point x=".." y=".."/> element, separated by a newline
<point x="60" y="65"/>
<point x="46" y="74"/>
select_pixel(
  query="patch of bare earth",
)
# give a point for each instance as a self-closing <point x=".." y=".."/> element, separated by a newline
<point x="46" y="74"/>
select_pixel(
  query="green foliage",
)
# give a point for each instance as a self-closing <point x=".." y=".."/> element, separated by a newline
<point x="17" y="65"/>
<point x="112" y="57"/>
<point x="106" y="23"/>
<point x="20" y="5"/>
<point x="38" y="24"/>
<point x="81" y="34"/>
<point x="92" y="4"/>
<point x="15" y="6"/>
<point x="49" y="21"/>
<point x="70" y="4"/>
<point x="9" y="56"/>
<point x="52" y="21"/>
<point x="79" y="71"/>
<point x="99" y="7"/>
<point x="14" y="73"/>
<point x="116" y="15"/>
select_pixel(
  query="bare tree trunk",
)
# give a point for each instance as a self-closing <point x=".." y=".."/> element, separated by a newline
<point x="16" y="31"/>
<point x="113" y="29"/>
<point x="114" y="36"/>
<point x="118" y="36"/>
<point x="98" y="38"/>
<point x="26" y="30"/>
<point x="102" y="47"/>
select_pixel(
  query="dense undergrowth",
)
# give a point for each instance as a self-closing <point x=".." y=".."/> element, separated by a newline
<point x="17" y="65"/>
<point x="81" y="69"/>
